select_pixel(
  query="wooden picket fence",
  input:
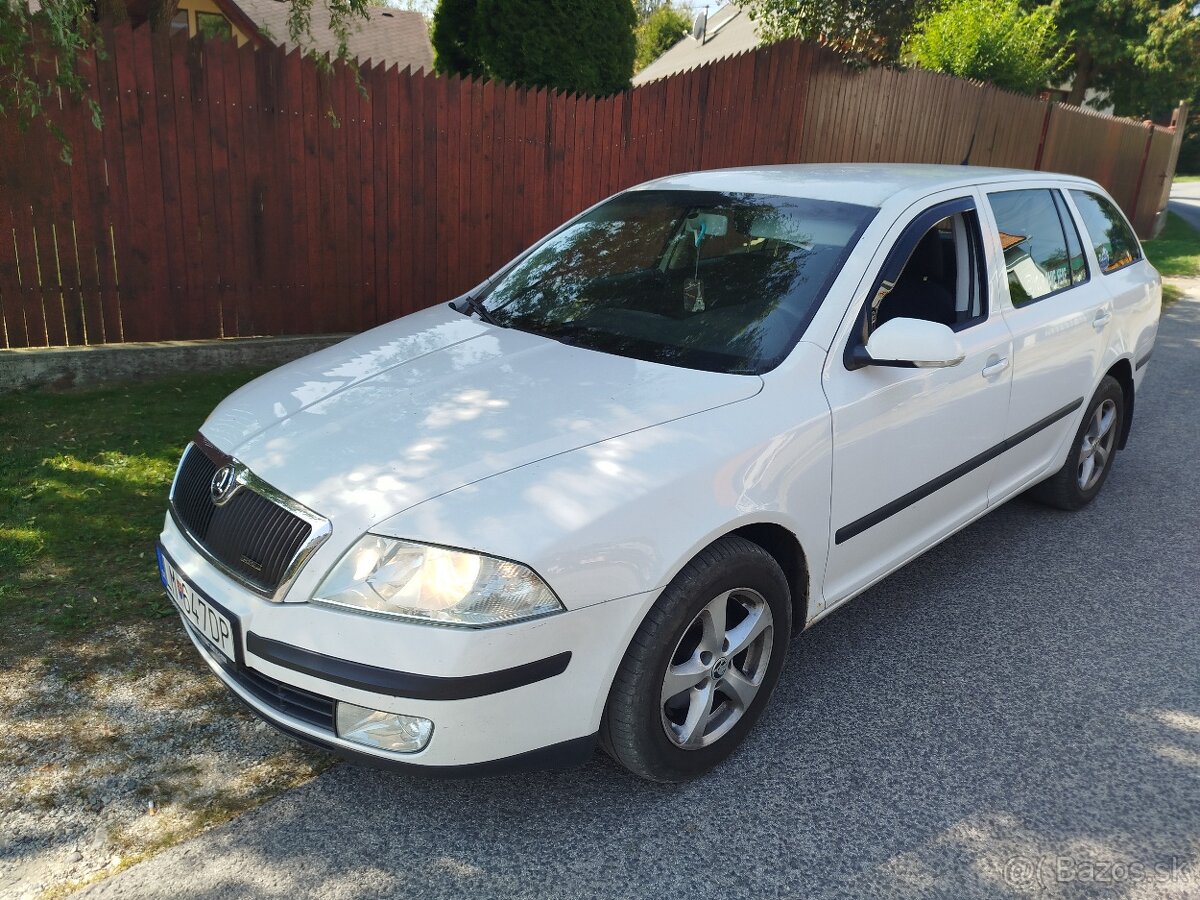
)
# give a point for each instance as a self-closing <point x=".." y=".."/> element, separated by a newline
<point x="247" y="192"/>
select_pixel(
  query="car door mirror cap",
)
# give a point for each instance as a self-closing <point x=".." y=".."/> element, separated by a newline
<point x="912" y="343"/>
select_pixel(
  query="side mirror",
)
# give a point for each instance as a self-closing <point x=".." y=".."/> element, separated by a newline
<point x="914" y="343"/>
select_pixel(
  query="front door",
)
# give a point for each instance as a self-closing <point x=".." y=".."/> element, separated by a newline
<point x="912" y="447"/>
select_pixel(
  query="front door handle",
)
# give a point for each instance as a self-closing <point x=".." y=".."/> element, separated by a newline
<point x="995" y="366"/>
<point x="1102" y="318"/>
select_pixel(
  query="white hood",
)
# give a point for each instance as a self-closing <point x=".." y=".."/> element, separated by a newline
<point x="390" y="418"/>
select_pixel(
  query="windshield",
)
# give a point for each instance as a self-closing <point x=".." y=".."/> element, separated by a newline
<point x="702" y="279"/>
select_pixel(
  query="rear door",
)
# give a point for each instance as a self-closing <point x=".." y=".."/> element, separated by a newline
<point x="1059" y="315"/>
<point x="1123" y="270"/>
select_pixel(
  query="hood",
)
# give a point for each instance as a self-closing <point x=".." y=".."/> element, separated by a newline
<point x="377" y="424"/>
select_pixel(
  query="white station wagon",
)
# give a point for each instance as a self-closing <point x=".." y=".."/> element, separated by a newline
<point x="592" y="501"/>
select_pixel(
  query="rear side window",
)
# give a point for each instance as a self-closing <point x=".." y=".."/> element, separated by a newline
<point x="1111" y="236"/>
<point x="1034" y="242"/>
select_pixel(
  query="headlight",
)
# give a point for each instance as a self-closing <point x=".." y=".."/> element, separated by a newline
<point x="419" y="581"/>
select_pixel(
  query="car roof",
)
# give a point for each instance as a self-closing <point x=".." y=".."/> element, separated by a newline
<point x="867" y="184"/>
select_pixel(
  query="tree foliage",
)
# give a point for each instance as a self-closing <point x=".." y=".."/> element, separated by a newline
<point x="860" y="29"/>
<point x="646" y="8"/>
<point x="582" y="47"/>
<point x="659" y="31"/>
<point x="455" y="39"/>
<point x="991" y="40"/>
<point x="1143" y="56"/>
<point x="30" y="79"/>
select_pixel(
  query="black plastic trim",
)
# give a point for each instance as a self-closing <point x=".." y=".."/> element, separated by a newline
<point x="888" y="510"/>
<point x="1145" y="359"/>
<point x="563" y="755"/>
<point x="378" y="680"/>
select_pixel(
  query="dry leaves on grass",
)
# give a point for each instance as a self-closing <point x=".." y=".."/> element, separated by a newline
<point x="98" y="729"/>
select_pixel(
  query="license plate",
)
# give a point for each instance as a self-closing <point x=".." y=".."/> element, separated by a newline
<point x="217" y="626"/>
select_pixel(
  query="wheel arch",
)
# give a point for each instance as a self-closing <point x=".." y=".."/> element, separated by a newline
<point x="784" y="547"/>
<point x="1122" y="372"/>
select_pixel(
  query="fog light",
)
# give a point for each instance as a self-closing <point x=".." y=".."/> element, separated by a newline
<point x="385" y="730"/>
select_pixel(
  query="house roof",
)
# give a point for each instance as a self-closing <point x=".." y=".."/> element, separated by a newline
<point x="1008" y="241"/>
<point x="729" y="31"/>
<point x="391" y="36"/>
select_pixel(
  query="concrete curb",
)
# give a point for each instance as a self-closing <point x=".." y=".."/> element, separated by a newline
<point x="62" y="368"/>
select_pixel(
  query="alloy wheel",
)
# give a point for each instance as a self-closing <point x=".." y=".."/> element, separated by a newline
<point x="1095" y="447"/>
<point x="717" y="668"/>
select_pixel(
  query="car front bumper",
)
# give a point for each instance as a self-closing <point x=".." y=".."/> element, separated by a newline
<point x="519" y="696"/>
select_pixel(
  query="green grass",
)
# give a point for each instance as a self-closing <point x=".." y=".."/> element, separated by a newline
<point x="1176" y="250"/>
<point x="1186" y="179"/>
<point x="83" y="492"/>
<point x="1170" y="294"/>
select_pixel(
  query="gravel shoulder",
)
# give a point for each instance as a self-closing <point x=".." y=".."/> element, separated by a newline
<point x="1016" y="714"/>
<point x="119" y="744"/>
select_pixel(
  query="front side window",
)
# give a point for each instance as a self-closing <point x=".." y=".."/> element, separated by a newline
<point x="940" y="281"/>
<point x="1113" y="239"/>
<point x="702" y="279"/>
<point x="1034" y="243"/>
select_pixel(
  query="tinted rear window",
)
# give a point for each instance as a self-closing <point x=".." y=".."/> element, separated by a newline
<point x="1112" y="238"/>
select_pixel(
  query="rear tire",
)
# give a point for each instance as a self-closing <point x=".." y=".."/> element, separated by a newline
<point x="1092" y="452"/>
<point x="702" y="665"/>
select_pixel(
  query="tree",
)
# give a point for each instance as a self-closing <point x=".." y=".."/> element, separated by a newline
<point x="1141" y="55"/>
<point x="587" y="47"/>
<point x="660" y="30"/>
<point x="645" y="8"/>
<point x="991" y="40"/>
<point x="455" y="39"/>
<point x="68" y="29"/>
<point x="861" y="29"/>
<point x="68" y="32"/>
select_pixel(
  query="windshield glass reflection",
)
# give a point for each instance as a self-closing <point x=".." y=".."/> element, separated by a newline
<point x="701" y="279"/>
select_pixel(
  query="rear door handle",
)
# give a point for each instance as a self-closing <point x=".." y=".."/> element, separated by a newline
<point x="995" y="366"/>
<point x="1102" y="318"/>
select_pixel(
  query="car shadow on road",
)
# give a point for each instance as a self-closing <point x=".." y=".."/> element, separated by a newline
<point x="1016" y="714"/>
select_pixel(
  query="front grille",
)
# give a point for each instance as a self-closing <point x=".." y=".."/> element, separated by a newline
<point x="253" y="537"/>
<point x="292" y="701"/>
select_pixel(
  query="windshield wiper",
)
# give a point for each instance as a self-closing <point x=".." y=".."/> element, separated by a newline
<point x="477" y="307"/>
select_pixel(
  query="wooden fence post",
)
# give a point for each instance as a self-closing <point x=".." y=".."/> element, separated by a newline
<point x="1179" y="129"/>
<point x="1045" y="130"/>
<point x="1137" y="190"/>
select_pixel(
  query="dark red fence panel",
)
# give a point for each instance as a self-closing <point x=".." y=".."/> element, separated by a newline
<point x="235" y="191"/>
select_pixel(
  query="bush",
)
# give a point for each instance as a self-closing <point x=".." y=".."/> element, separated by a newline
<point x="661" y="30"/>
<point x="585" y="48"/>
<point x="455" y="39"/>
<point x="991" y="40"/>
<point x="859" y="30"/>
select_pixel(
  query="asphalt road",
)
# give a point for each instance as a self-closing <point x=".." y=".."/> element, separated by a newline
<point x="1016" y="714"/>
<point x="1185" y="200"/>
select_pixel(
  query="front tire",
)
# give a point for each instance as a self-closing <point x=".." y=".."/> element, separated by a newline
<point x="701" y="666"/>
<point x="1090" y="460"/>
